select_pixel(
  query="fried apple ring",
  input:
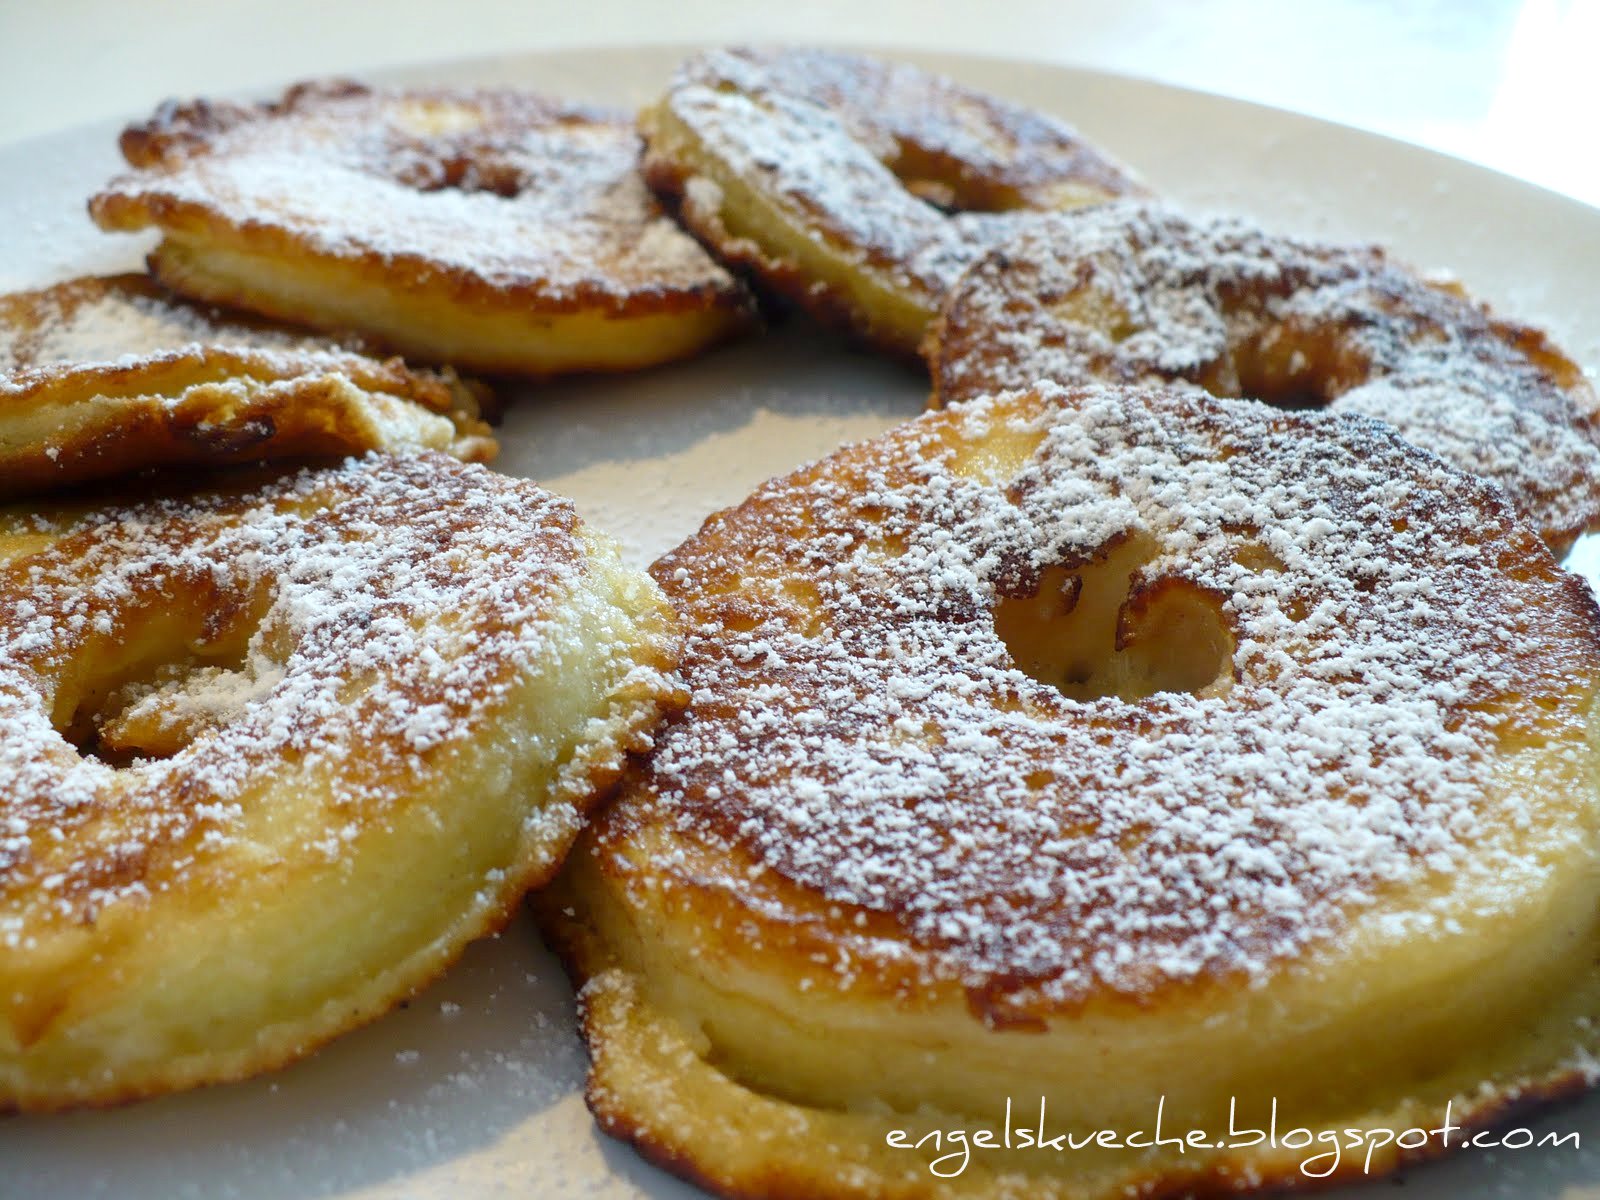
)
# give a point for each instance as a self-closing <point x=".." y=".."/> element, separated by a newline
<point x="857" y="188"/>
<point x="1122" y="753"/>
<point x="1131" y="293"/>
<point x="275" y="753"/>
<point x="106" y="375"/>
<point x="495" y="230"/>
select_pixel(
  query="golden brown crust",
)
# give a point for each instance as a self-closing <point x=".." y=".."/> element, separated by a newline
<point x="854" y="187"/>
<point x="651" y="1086"/>
<point x="436" y="210"/>
<point x="1138" y="294"/>
<point x="1104" y="748"/>
<point x="957" y="148"/>
<point x="104" y="376"/>
<point x="344" y="718"/>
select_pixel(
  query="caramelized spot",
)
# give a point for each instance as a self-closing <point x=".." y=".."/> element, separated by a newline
<point x="997" y="457"/>
<point x="1254" y="556"/>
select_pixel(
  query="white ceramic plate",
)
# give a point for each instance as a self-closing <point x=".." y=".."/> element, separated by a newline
<point x="474" y="1088"/>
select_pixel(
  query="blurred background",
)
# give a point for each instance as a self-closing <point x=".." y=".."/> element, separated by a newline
<point x="1511" y="84"/>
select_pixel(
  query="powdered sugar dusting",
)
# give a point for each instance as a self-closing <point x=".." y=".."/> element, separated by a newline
<point x="879" y="746"/>
<point x="897" y="111"/>
<point x="803" y="154"/>
<point x="99" y="332"/>
<point x="1133" y="293"/>
<point x="826" y="132"/>
<point x="119" y="320"/>
<point x="398" y="599"/>
<point x="503" y="188"/>
<point x="108" y="374"/>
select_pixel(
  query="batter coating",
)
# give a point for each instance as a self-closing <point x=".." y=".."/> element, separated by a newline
<point x="1129" y="293"/>
<point x="855" y="187"/>
<point x="275" y="754"/>
<point x="106" y="375"/>
<point x="1103" y="750"/>
<point x="499" y="231"/>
